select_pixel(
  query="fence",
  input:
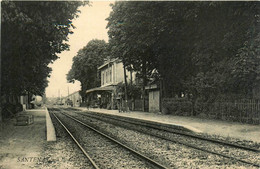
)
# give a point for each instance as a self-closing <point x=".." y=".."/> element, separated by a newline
<point x="245" y="110"/>
<point x="137" y="105"/>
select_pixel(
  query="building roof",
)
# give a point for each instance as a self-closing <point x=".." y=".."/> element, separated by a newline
<point x="73" y="93"/>
<point x="107" y="62"/>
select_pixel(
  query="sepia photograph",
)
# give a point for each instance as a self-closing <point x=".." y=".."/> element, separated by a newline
<point x="130" y="84"/>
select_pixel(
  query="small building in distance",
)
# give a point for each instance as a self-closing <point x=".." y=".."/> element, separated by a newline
<point x="73" y="99"/>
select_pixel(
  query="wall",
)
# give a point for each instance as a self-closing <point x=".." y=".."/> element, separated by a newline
<point x="113" y="74"/>
<point x="119" y="72"/>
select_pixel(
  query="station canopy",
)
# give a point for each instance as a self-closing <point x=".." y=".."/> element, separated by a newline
<point x="105" y="88"/>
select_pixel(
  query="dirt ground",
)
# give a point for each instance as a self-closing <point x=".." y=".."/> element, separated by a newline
<point x="21" y="146"/>
<point x="25" y="147"/>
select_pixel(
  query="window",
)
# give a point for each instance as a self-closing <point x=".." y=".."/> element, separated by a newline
<point x="110" y="74"/>
<point x="106" y="77"/>
<point x="103" y="78"/>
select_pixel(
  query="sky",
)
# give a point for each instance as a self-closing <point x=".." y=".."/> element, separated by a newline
<point x="90" y="24"/>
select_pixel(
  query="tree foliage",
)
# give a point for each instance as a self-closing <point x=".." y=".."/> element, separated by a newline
<point x="130" y="35"/>
<point x="202" y="49"/>
<point x="133" y="91"/>
<point x="86" y="63"/>
<point x="225" y="29"/>
<point x="32" y="34"/>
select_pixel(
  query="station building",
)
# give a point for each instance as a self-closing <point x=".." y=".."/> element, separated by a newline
<point x="107" y="96"/>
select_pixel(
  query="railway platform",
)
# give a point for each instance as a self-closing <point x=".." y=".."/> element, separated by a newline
<point x="22" y="145"/>
<point x="209" y="126"/>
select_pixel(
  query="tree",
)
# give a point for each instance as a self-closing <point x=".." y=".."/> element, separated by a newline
<point x="199" y="49"/>
<point x="86" y="63"/>
<point x="224" y="29"/>
<point x="245" y="66"/>
<point x="153" y="37"/>
<point x="130" y="37"/>
<point x="183" y="41"/>
<point x="32" y="34"/>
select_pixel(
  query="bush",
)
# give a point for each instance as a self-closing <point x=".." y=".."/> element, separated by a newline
<point x="177" y="106"/>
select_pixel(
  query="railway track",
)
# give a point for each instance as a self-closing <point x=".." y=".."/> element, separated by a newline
<point x="78" y="144"/>
<point x="166" y="128"/>
<point x="179" y="142"/>
<point x="146" y="160"/>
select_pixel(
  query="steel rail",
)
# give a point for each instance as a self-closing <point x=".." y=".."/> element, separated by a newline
<point x="119" y="143"/>
<point x="153" y="126"/>
<point x="75" y="140"/>
<point x="195" y="147"/>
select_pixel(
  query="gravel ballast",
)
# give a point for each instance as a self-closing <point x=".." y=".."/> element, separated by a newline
<point x="174" y="154"/>
<point x="105" y="153"/>
<point x="63" y="153"/>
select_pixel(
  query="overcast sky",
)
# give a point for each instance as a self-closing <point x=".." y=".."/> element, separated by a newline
<point x="90" y="24"/>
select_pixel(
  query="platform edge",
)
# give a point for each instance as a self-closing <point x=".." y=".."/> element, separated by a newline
<point x="50" y="130"/>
